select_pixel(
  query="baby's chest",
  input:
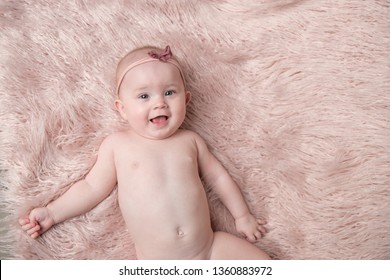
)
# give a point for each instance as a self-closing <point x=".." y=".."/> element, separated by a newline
<point x="158" y="160"/>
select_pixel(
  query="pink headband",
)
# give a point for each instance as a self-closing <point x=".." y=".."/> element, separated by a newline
<point x="165" y="56"/>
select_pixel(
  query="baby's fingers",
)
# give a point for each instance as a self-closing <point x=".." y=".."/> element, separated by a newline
<point x="31" y="229"/>
<point x="27" y="227"/>
<point x="35" y="235"/>
<point x="34" y="231"/>
<point x="252" y="238"/>
<point x="261" y="221"/>
<point x="260" y="226"/>
<point x="258" y="235"/>
<point x="24" y="221"/>
<point x="262" y="230"/>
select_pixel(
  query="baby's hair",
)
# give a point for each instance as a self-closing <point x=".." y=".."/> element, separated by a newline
<point x="126" y="56"/>
<point x="134" y="51"/>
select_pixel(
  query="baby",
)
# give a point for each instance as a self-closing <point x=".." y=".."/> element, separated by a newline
<point x="158" y="169"/>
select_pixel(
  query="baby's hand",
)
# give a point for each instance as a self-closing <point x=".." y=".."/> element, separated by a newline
<point x="37" y="222"/>
<point x="251" y="227"/>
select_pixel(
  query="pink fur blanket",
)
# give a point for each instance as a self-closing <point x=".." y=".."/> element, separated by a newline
<point x="291" y="95"/>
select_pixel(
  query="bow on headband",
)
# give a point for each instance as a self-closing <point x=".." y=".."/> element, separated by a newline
<point x="163" y="56"/>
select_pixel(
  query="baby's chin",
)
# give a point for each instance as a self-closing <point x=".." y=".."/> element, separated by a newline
<point x="157" y="135"/>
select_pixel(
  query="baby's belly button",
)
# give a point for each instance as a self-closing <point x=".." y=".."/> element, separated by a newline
<point x="187" y="234"/>
<point x="180" y="232"/>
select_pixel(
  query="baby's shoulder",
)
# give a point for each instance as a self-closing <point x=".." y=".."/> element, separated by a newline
<point x="118" y="136"/>
<point x="113" y="140"/>
<point x="188" y="134"/>
<point x="192" y="137"/>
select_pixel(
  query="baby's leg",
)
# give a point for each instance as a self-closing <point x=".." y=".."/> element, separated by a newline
<point x="229" y="247"/>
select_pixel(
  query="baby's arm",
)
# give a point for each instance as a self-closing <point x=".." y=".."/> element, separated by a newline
<point x="80" y="198"/>
<point x="222" y="183"/>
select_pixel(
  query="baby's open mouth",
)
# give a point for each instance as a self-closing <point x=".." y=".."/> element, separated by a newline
<point x="159" y="119"/>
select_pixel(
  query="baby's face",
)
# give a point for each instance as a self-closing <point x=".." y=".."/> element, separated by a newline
<point x="153" y="99"/>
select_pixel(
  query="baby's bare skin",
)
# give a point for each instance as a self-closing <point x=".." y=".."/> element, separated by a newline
<point x="161" y="197"/>
<point x="158" y="169"/>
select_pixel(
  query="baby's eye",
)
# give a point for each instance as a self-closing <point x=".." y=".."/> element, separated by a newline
<point x="169" y="92"/>
<point x="143" y="96"/>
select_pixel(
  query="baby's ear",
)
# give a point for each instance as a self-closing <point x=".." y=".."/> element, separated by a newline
<point x="119" y="106"/>
<point x="188" y="97"/>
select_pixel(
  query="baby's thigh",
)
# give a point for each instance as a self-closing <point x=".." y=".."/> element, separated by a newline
<point x="229" y="247"/>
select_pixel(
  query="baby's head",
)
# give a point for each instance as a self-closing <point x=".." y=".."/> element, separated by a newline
<point x="150" y="91"/>
<point x="140" y="56"/>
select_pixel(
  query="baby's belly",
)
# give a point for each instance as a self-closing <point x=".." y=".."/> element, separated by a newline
<point x="168" y="221"/>
<point x="180" y="244"/>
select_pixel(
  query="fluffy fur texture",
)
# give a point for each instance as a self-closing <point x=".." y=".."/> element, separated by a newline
<point x="291" y="95"/>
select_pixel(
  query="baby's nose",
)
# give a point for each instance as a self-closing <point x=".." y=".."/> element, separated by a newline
<point x="160" y="104"/>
